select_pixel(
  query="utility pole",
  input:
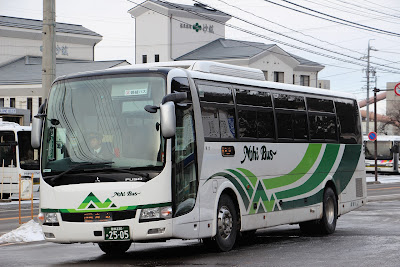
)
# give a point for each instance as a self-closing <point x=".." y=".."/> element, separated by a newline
<point x="49" y="46"/>
<point x="367" y="73"/>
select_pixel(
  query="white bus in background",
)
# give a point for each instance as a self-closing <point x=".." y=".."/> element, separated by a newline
<point x="17" y="157"/>
<point x="195" y="150"/>
<point x="387" y="154"/>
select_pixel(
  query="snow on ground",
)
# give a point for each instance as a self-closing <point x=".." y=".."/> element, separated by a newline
<point x="27" y="232"/>
<point x="384" y="179"/>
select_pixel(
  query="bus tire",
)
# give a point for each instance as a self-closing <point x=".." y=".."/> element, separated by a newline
<point x="330" y="212"/>
<point x="227" y="224"/>
<point x="115" y="247"/>
<point x="327" y="224"/>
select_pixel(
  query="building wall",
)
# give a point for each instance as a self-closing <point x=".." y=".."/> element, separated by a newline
<point x="152" y="37"/>
<point x="186" y="39"/>
<point x="272" y="63"/>
<point x="69" y="46"/>
<point x="311" y="74"/>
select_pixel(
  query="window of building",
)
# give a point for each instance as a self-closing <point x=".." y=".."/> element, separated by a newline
<point x="1" y="102"/>
<point x="305" y="80"/>
<point x="279" y="77"/>
<point x="29" y="106"/>
<point x="12" y="102"/>
<point x="157" y="58"/>
<point x="144" y="58"/>
<point x="40" y="101"/>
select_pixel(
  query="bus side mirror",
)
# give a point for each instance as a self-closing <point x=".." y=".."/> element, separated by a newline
<point x="168" y="119"/>
<point x="36" y="134"/>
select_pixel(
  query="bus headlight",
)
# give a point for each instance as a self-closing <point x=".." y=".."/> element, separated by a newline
<point x="153" y="214"/>
<point x="48" y="218"/>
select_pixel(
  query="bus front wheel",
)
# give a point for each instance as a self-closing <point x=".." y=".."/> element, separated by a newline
<point x="227" y="224"/>
<point x="115" y="247"/>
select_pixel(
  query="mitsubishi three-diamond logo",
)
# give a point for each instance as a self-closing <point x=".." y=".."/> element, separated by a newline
<point x="92" y="202"/>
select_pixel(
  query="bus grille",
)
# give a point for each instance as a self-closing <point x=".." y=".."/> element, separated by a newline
<point x="116" y="216"/>
<point x="359" y="187"/>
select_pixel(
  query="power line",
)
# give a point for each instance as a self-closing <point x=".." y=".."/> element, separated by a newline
<point x="277" y="41"/>
<point x="353" y="24"/>
<point x="366" y="8"/>
<point x="347" y="21"/>
<point x="250" y="13"/>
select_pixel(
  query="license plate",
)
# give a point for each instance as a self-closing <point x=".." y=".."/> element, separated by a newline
<point x="116" y="233"/>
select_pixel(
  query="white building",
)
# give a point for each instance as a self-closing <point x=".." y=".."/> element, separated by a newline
<point x="168" y="31"/>
<point x="21" y="62"/>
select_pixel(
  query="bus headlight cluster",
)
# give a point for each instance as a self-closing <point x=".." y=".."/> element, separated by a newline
<point x="156" y="213"/>
<point x="48" y="218"/>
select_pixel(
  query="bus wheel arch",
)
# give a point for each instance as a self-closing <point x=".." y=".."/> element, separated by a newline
<point x="327" y="224"/>
<point x="227" y="222"/>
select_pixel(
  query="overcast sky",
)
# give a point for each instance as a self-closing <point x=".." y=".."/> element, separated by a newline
<point x="110" y="19"/>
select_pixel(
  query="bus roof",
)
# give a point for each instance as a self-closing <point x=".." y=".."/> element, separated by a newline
<point x="216" y="71"/>
<point x="7" y="126"/>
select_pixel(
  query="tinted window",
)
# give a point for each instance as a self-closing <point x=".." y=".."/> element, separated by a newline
<point x="285" y="129"/>
<point x="289" y="101"/>
<point x="349" y="123"/>
<point x="213" y="93"/>
<point x="265" y="124"/>
<point x="322" y="127"/>
<point x="218" y="122"/>
<point x="247" y="123"/>
<point x="300" y="130"/>
<point x="316" y="104"/>
<point x="253" y="98"/>
<point x="256" y="123"/>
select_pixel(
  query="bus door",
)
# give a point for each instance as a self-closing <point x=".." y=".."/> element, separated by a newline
<point x="8" y="163"/>
<point x="184" y="172"/>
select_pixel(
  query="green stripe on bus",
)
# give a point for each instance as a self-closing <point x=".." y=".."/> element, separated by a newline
<point x="253" y="179"/>
<point x="244" y="181"/>
<point x="301" y="169"/>
<point x="347" y="166"/>
<point x="323" y="169"/>
<point x="237" y="185"/>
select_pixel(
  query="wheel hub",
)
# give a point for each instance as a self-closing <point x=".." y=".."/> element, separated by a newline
<point x="225" y="222"/>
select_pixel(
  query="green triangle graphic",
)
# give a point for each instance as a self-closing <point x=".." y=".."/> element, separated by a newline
<point x="91" y="206"/>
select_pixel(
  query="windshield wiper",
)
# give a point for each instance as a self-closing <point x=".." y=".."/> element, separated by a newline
<point x="54" y="178"/>
<point x="145" y="176"/>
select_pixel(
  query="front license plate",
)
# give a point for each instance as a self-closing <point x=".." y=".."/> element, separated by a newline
<point x="116" y="233"/>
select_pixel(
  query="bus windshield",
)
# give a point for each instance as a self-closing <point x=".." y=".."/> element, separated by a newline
<point x="383" y="152"/>
<point x="101" y="121"/>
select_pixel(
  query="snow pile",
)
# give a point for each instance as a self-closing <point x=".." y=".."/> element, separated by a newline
<point x="27" y="232"/>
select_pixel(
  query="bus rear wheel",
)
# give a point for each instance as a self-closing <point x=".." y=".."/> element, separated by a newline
<point x="115" y="247"/>
<point x="227" y="225"/>
<point x="327" y="224"/>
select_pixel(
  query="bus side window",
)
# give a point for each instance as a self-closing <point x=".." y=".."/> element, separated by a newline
<point x="350" y="128"/>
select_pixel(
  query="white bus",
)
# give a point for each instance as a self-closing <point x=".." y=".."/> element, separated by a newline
<point x="196" y="150"/>
<point x="387" y="154"/>
<point x="17" y="157"/>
